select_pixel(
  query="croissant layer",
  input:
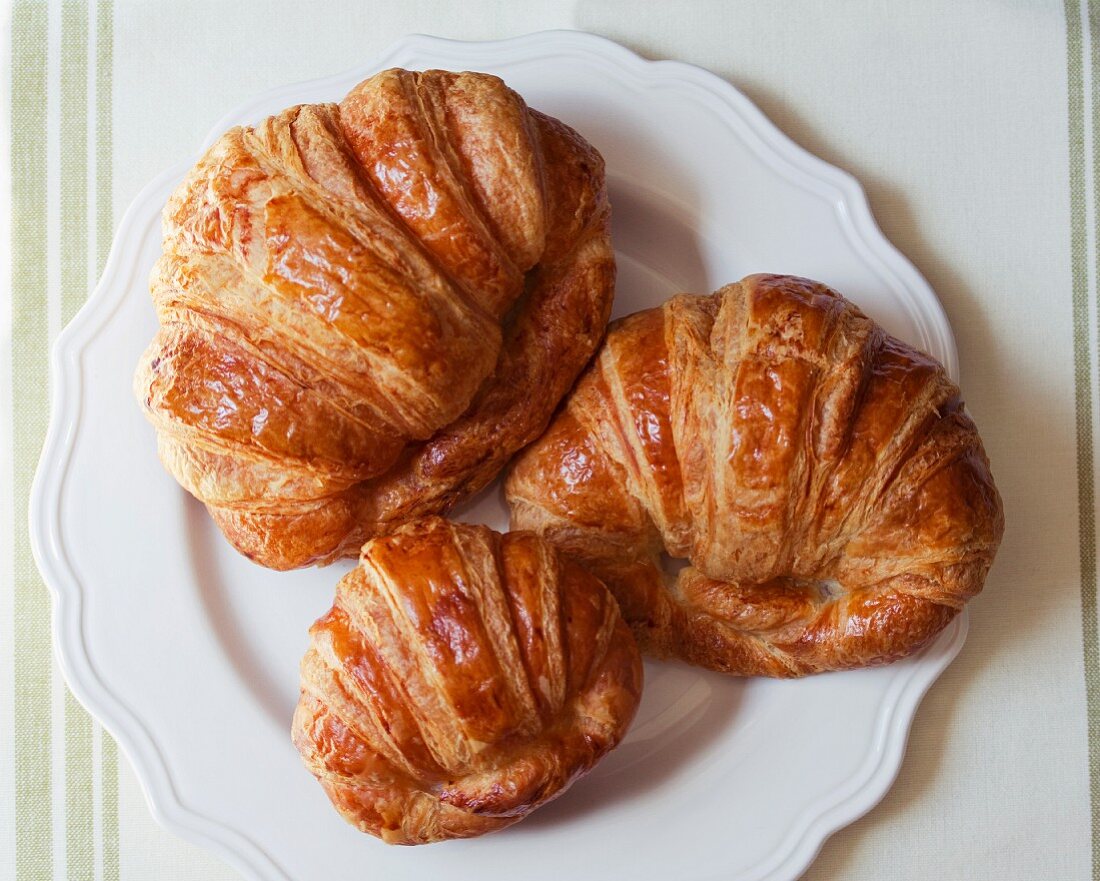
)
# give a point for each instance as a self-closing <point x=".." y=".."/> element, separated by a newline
<point x="461" y="679"/>
<point x="367" y="307"/>
<point x="822" y="479"/>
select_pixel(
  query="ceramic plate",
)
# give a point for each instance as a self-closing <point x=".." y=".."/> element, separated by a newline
<point x="188" y="653"/>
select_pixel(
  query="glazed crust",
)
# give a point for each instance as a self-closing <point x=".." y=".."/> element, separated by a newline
<point x="823" y="479"/>
<point x="461" y="679"/>
<point x="367" y="307"/>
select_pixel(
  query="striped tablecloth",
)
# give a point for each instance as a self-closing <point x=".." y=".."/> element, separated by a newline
<point x="971" y="123"/>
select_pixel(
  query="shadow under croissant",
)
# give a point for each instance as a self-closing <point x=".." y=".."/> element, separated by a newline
<point x="214" y="594"/>
<point x="665" y="738"/>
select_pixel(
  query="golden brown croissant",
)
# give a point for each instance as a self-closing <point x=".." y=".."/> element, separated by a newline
<point x="826" y="484"/>
<point x="367" y="307"/>
<point x="461" y="679"/>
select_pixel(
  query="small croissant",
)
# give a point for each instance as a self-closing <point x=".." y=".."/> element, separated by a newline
<point x="822" y="478"/>
<point x="367" y="307"/>
<point x="461" y="679"/>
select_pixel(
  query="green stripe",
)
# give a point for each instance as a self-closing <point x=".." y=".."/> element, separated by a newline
<point x="79" y="827"/>
<point x="1086" y="492"/>
<point x="74" y="157"/>
<point x="109" y="765"/>
<point x="104" y="223"/>
<point x="33" y="820"/>
<point x="103" y="97"/>
<point x="1088" y="530"/>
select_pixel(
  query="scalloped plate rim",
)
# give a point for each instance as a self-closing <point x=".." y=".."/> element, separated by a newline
<point x="817" y="821"/>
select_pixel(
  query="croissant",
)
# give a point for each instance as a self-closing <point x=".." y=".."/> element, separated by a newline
<point x="461" y="679"/>
<point x="367" y="307"/>
<point x="822" y="478"/>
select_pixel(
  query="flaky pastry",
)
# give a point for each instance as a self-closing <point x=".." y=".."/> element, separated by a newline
<point x="822" y="478"/>
<point x="367" y="307"/>
<point x="461" y="679"/>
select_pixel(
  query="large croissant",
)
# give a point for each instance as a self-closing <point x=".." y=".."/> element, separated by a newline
<point x="823" y="478"/>
<point x="461" y="679"/>
<point x="367" y="307"/>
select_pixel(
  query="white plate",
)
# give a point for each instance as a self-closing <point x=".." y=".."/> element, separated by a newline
<point x="188" y="653"/>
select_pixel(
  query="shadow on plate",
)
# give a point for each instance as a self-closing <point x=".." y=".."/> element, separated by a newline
<point x="684" y="713"/>
<point x="657" y="247"/>
<point x="228" y="628"/>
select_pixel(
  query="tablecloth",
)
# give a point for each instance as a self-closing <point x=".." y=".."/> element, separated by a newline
<point x="972" y="126"/>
